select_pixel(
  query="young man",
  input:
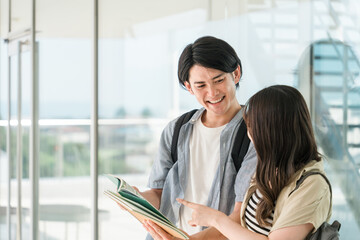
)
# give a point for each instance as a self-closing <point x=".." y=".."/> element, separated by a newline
<point x="204" y="172"/>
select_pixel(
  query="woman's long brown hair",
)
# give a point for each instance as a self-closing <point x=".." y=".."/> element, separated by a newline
<point x="279" y="124"/>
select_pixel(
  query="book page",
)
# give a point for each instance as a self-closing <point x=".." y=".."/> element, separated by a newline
<point x="141" y="213"/>
<point x="140" y="204"/>
<point x="167" y="228"/>
<point x="139" y="207"/>
<point x="123" y="186"/>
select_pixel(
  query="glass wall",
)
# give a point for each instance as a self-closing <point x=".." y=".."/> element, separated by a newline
<point x="63" y="35"/>
<point x="14" y="134"/>
<point x="139" y="45"/>
<point x="3" y="144"/>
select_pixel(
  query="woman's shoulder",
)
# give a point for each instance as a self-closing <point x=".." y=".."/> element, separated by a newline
<point x="310" y="181"/>
<point x="310" y="202"/>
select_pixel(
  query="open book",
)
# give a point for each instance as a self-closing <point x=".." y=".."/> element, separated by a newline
<point x="139" y="207"/>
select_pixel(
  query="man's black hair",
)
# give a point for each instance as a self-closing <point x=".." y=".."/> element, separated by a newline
<point x="209" y="52"/>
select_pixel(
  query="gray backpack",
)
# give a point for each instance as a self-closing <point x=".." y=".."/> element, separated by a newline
<point x="325" y="231"/>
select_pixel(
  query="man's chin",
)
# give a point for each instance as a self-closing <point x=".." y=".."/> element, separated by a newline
<point x="216" y="111"/>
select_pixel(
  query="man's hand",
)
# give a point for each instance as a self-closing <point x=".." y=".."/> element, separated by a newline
<point x="153" y="196"/>
<point x="157" y="233"/>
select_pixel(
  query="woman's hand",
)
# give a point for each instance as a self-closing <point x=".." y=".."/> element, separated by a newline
<point x="202" y="215"/>
<point x="157" y="232"/>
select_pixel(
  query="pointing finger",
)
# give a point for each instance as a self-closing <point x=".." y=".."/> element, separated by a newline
<point x="187" y="203"/>
<point x="192" y="223"/>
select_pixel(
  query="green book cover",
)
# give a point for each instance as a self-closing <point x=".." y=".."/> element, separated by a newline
<point x="139" y="207"/>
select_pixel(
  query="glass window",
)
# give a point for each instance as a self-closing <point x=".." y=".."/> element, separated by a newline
<point x="295" y="43"/>
<point x="64" y="43"/>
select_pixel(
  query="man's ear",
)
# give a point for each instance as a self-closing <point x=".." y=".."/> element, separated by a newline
<point x="188" y="87"/>
<point x="237" y="74"/>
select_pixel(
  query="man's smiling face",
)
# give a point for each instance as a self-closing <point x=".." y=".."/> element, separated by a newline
<point x="214" y="89"/>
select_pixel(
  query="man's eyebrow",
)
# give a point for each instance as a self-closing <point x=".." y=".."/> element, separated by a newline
<point x="217" y="76"/>
<point x="199" y="82"/>
<point x="221" y="74"/>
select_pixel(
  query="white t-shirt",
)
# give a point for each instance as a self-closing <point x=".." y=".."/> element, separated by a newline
<point x="204" y="161"/>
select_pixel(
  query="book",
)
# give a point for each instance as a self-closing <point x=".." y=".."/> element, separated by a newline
<point x="139" y="207"/>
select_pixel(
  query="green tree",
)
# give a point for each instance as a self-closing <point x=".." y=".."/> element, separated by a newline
<point x="146" y="112"/>
<point x="120" y="112"/>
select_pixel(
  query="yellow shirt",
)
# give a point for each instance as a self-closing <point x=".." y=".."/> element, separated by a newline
<point x="310" y="203"/>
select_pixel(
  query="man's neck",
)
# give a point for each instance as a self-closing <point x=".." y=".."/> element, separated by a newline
<point x="212" y="120"/>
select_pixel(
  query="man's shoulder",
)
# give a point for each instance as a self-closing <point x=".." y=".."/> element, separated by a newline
<point x="170" y="127"/>
<point x="187" y="117"/>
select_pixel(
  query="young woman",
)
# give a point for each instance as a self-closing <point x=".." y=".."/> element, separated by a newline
<point x="279" y="126"/>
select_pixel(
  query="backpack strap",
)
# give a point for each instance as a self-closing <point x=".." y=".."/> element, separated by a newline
<point x="307" y="174"/>
<point x="181" y="121"/>
<point x="240" y="146"/>
<point x="325" y="231"/>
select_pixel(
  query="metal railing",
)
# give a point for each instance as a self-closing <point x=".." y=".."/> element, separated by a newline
<point x="331" y="136"/>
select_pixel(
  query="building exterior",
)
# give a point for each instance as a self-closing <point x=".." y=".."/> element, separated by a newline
<point x="86" y="88"/>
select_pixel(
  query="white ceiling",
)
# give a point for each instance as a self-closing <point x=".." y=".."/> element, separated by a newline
<point x="117" y="18"/>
